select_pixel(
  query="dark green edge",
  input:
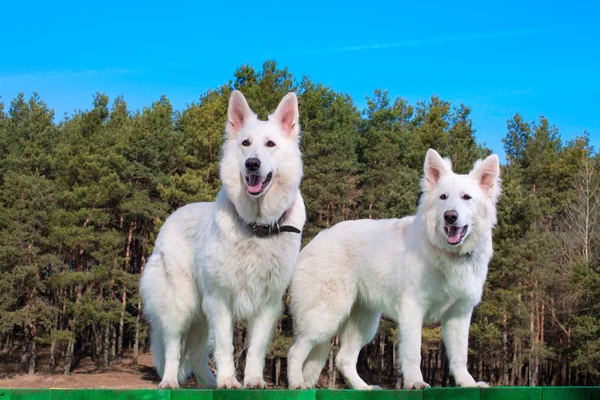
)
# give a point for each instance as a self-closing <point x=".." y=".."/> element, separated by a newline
<point x="495" y="393"/>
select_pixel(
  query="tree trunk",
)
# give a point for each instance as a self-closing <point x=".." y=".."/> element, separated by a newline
<point x="121" y="327"/>
<point x="332" y="372"/>
<point x="52" y="361"/>
<point x="435" y="367"/>
<point x="69" y="357"/>
<point x="516" y="365"/>
<point x="124" y="296"/>
<point x="505" y="356"/>
<point x="381" y="357"/>
<point x="532" y="377"/>
<point x="445" y="371"/>
<point x="136" y="344"/>
<point x="25" y="348"/>
<point x="105" y="348"/>
<point x="277" y="371"/>
<point x="536" y="365"/>
<point x="396" y="367"/>
<point x="32" y="357"/>
<point x="541" y="381"/>
<point x="113" y="344"/>
<point x="394" y="371"/>
<point x="568" y="361"/>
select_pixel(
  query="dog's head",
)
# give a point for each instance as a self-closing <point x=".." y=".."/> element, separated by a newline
<point x="260" y="157"/>
<point x="459" y="210"/>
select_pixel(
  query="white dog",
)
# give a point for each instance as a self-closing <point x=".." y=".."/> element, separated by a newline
<point x="425" y="268"/>
<point x="214" y="263"/>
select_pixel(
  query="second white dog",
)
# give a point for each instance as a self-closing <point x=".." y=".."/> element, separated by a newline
<point x="426" y="268"/>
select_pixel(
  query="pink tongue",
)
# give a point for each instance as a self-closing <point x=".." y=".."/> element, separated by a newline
<point x="255" y="183"/>
<point x="453" y="234"/>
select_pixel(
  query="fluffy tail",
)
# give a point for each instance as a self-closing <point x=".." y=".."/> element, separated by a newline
<point x="158" y="351"/>
<point x="315" y="362"/>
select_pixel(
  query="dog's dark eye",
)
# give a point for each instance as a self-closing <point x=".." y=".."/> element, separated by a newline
<point x="246" y="143"/>
<point x="270" y="143"/>
<point x="466" y="197"/>
<point x="443" y="197"/>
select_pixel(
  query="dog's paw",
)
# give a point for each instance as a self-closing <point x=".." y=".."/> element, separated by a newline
<point x="470" y="382"/>
<point x="300" y="386"/>
<point x="166" y="384"/>
<point x="415" y="385"/>
<point x="228" y="382"/>
<point x="255" y="383"/>
<point x="374" y="387"/>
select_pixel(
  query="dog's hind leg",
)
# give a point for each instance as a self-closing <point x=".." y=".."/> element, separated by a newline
<point x="314" y="363"/>
<point x="358" y="330"/>
<point x="173" y="344"/>
<point x="309" y="352"/>
<point x="296" y="356"/>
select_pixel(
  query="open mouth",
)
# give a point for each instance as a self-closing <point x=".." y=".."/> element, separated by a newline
<point x="257" y="184"/>
<point x="455" y="234"/>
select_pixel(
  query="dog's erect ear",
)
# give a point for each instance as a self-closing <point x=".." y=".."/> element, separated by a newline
<point x="487" y="174"/>
<point x="238" y="114"/>
<point x="435" y="168"/>
<point x="287" y="115"/>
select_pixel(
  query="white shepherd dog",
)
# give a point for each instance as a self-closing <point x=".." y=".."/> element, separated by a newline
<point x="215" y="263"/>
<point x="425" y="268"/>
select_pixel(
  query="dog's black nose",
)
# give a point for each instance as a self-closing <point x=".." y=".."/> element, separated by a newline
<point x="252" y="164"/>
<point x="450" y="216"/>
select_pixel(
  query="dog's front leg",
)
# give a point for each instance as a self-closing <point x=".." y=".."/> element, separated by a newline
<point x="260" y="329"/>
<point x="455" y="331"/>
<point x="410" y="326"/>
<point x="221" y="325"/>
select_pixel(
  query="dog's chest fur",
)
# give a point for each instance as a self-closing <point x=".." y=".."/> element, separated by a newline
<point x="253" y="270"/>
<point x="451" y="282"/>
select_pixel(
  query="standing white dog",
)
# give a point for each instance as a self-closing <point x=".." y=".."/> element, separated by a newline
<point x="214" y="263"/>
<point x="425" y="268"/>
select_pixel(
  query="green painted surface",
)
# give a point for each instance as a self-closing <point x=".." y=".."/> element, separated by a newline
<point x="497" y="393"/>
<point x="511" y="393"/>
<point x="397" y="395"/>
<point x="278" y="394"/>
<point x="69" y="394"/>
<point x="232" y="394"/>
<point x="343" y="395"/>
<point x="451" y="393"/>
<point x="192" y="394"/>
<point x="570" y="393"/>
<point x="41" y="394"/>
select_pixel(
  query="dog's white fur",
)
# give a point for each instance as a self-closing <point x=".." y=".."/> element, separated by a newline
<point x="403" y="268"/>
<point x="208" y="269"/>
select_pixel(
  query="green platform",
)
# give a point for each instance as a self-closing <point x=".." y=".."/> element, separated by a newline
<point x="498" y="393"/>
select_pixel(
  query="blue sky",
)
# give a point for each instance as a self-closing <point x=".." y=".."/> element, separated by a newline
<point x="536" y="58"/>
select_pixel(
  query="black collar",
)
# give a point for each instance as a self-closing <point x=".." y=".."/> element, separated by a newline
<point x="263" y="230"/>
